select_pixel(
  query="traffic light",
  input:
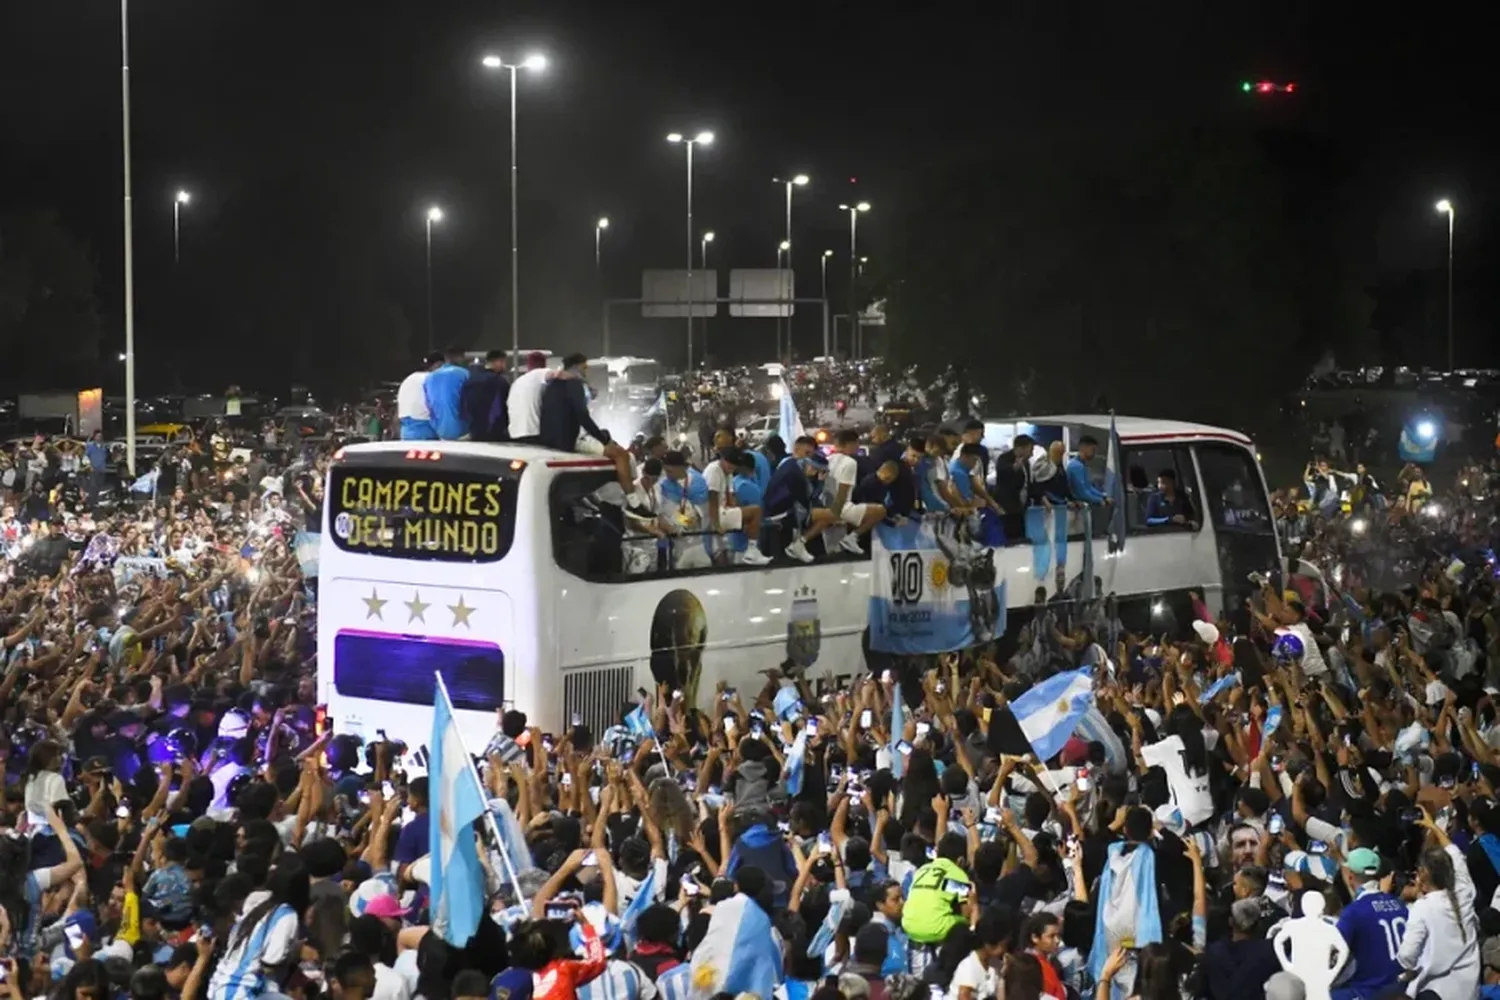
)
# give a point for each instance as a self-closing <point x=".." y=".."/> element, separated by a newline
<point x="1267" y="87"/>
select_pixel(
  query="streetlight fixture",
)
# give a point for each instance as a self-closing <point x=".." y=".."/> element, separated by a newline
<point x="708" y="237"/>
<point x="703" y="138"/>
<point x="1445" y="207"/>
<point x="599" y="228"/>
<point x="182" y="198"/>
<point x="434" y="215"/>
<point x="796" y="181"/>
<point x="854" y="213"/>
<point x="535" y="63"/>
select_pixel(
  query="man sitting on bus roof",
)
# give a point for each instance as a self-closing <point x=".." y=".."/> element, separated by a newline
<point x="725" y="513"/>
<point x="444" y="389"/>
<point x="411" y="402"/>
<point x="484" y="398"/>
<point x="565" y="419"/>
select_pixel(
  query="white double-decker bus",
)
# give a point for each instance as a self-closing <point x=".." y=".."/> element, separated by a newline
<point x="499" y="567"/>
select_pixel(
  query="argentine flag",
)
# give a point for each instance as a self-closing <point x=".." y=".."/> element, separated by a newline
<point x="796" y="759"/>
<point x="639" y="723"/>
<point x="307" y="545"/>
<point x="1049" y="712"/>
<point x="791" y="422"/>
<point x="741" y="953"/>
<point x="456" y="879"/>
<point x="146" y="483"/>
<point x="658" y="408"/>
<point x="1114" y="488"/>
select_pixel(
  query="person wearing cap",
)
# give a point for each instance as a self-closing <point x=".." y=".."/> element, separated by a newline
<point x="411" y="402"/>
<point x="1372" y="926"/>
<point x="523" y="403"/>
<point x="388" y="910"/>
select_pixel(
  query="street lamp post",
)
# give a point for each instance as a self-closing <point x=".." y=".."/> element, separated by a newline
<point x="599" y="227"/>
<point x="823" y="267"/>
<point x="854" y="211"/>
<point x="536" y="63"/>
<point x="783" y="250"/>
<point x="182" y="198"/>
<point x="800" y="180"/>
<point x="129" y="241"/>
<point x="434" y="214"/>
<point x="708" y="237"/>
<point x="1446" y="208"/>
<point x="704" y="138"/>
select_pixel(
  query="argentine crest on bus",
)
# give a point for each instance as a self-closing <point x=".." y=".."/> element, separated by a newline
<point x="933" y="588"/>
<point x="804" y="633"/>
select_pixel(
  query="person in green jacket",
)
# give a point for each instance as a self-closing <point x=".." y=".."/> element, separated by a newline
<point x="941" y="897"/>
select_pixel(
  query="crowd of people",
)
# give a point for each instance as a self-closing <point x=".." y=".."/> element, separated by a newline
<point x="1319" y="769"/>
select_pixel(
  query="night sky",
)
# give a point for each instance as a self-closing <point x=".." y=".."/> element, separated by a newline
<point x="293" y="121"/>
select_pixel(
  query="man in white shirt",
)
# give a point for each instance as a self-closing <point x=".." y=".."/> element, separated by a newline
<point x="524" y="402"/>
<point x="843" y="474"/>
<point x="724" y="514"/>
<point x="644" y="519"/>
<point x="411" y="402"/>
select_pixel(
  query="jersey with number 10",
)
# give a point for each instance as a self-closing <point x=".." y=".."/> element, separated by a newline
<point x="1373" y="926"/>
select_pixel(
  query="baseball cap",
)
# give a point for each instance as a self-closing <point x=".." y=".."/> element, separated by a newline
<point x="1363" y="861"/>
<point x="512" y="984"/>
<point x="1285" y="986"/>
<point x="387" y="907"/>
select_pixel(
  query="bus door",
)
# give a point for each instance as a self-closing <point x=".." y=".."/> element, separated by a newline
<point x="1239" y="511"/>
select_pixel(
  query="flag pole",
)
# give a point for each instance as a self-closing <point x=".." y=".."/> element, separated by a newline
<point x="489" y="817"/>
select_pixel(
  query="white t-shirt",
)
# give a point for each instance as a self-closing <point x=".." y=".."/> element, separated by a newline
<point x="524" y="403"/>
<point x="977" y="976"/>
<point x="843" y="470"/>
<point x="411" y="398"/>
<point x="1190" y="792"/>
<point x="390" y="984"/>
<point x="718" y="481"/>
<point x="1313" y="664"/>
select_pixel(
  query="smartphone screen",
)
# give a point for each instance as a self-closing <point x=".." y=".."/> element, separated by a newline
<point x="866" y="718"/>
<point x="812" y="727"/>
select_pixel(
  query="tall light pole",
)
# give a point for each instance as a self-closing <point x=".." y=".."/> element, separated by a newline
<point x="599" y="228"/>
<point x="704" y="138"/>
<point x="707" y="238"/>
<point x="129" y="242"/>
<point x="535" y="63"/>
<point x="799" y="180"/>
<point x="854" y="210"/>
<point x="434" y="214"/>
<point x="1446" y="208"/>
<point x="182" y="198"/>
<point x="783" y="250"/>
<point x="823" y="267"/>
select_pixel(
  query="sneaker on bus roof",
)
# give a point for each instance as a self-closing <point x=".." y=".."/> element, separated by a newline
<point x="753" y="556"/>
<point x="798" y="550"/>
<point x="851" y="544"/>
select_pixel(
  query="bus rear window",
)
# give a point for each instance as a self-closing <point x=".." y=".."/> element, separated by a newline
<point x="422" y="511"/>
<point x="399" y="669"/>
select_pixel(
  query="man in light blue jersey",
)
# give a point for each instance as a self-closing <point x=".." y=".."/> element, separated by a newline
<point x="1372" y="925"/>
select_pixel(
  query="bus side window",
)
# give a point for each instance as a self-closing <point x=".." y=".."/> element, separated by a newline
<point x="585" y="535"/>
<point x="1235" y="495"/>
<point x="1143" y="470"/>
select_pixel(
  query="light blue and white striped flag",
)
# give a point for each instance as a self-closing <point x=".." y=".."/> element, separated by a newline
<point x="457" y="880"/>
<point x="644" y="897"/>
<point x="796" y="758"/>
<point x="790" y="427"/>
<point x="1218" y="687"/>
<point x="1114" y="488"/>
<point x="146" y="483"/>
<point x="306" y="545"/>
<point x="741" y="953"/>
<point x="1049" y="712"/>
<point x="639" y="723"/>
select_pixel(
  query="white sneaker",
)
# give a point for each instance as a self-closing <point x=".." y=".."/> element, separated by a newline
<point x="851" y="544"/>
<point x="798" y="551"/>
<point x="753" y="556"/>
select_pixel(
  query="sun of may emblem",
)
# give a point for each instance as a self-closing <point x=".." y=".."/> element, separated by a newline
<point x="1062" y="705"/>
<point x="938" y="573"/>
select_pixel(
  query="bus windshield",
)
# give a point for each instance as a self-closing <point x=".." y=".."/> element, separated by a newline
<point x="453" y="508"/>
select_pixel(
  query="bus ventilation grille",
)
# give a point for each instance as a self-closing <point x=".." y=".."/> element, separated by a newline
<point x="596" y="696"/>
